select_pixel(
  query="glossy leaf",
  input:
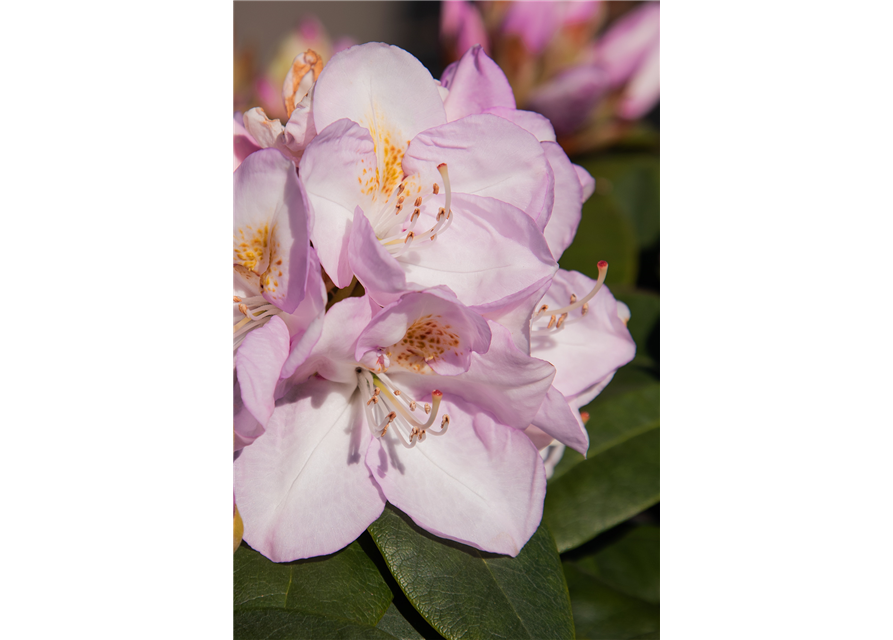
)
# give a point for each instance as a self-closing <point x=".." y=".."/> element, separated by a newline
<point x="603" y="613"/>
<point x="343" y="586"/>
<point x="285" y="624"/>
<point x="606" y="488"/>
<point x="614" y="419"/>
<point x="630" y="565"/>
<point x="466" y="593"/>
<point x="394" y="623"/>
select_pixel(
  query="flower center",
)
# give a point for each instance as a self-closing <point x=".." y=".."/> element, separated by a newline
<point x="257" y="312"/>
<point x="558" y="317"/>
<point x="428" y="338"/>
<point x="395" y="222"/>
<point x="388" y="405"/>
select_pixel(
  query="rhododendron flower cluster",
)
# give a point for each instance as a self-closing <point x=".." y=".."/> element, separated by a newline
<point x="402" y="331"/>
<point x="590" y="71"/>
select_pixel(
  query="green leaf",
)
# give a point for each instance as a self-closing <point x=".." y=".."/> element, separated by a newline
<point x="605" y="489"/>
<point x="284" y="624"/>
<point x="644" y="322"/>
<point x="605" y="233"/>
<point x="344" y="586"/>
<point x="603" y="613"/>
<point x="394" y="623"/>
<point x="612" y="420"/>
<point x="466" y="593"/>
<point x="630" y="565"/>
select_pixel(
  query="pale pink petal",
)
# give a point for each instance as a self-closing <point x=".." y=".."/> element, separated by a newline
<point x="476" y="84"/>
<point x="243" y="144"/>
<point x="258" y="362"/>
<point x="379" y="272"/>
<point x="306" y="323"/>
<point x="538" y="437"/>
<point x="448" y="332"/>
<point x="587" y="348"/>
<point x="302" y="488"/>
<point x="486" y="156"/>
<point x="491" y="252"/>
<point x="332" y="355"/>
<point x="587" y="182"/>
<point x="560" y="421"/>
<point x="462" y="24"/>
<point x="565" y="218"/>
<point x="301" y="129"/>
<point x="504" y="381"/>
<point x="535" y="123"/>
<point x="482" y="483"/>
<point x="515" y="315"/>
<point x="246" y="428"/>
<point x="331" y="170"/>
<point x="270" y="220"/>
<point x="381" y="87"/>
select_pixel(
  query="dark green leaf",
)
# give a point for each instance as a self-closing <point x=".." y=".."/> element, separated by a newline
<point x="284" y="624"/>
<point x="604" y="234"/>
<point x="603" y="613"/>
<point x="606" y="488"/>
<point x="394" y="623"/>
<point x="344" y="586"/>
<point x="612" y="420"/>
<point x="465" y="593"/>
<point x="630" y="565"/>
<point x="644" y="324"/>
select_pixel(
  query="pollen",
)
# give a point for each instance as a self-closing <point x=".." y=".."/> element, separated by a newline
<point x="427" y="339"/>
<point x="249" y="250"/>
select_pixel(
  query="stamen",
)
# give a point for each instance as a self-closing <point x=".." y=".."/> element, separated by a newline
<point x="237" y="299"/>
<point x="446" y="183"/>
<point x="561" y="320"/>
<point x="436" y="188"/>
<point x="374" y="398"/>
<point x="575" y="304"/>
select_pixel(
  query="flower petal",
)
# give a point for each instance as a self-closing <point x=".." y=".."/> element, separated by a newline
<point x="565" y="218"/>
<point x="492" y="251"/>
<point x="258" y="362"/>
<point x="481" y="484"/>
<point x="270" y="221"/>
<point x="530" y="121"/>
<point x="426" y="329"/>
<point x="556" y="418"/>
<point x="303" y="489"/>
<point x="505" y="381"/>
<point x="628" y="42"/>
<point x="486" y="156"/>
<point x="476" y="84"/>
<point x="332" y="168"/>
<point x="243" y="144"/>
<point x="379" y="272"/>
<point x="587" y="182"/>
<point x="381" y="87"/>
<point x="587" y="348"/>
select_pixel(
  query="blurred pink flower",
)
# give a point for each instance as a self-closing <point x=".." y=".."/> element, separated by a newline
<point x="590" y="72"/>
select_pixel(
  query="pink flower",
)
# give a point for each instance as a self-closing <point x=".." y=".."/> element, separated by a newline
<point x="406" y="198"/>
<point x="351" y="429"/>
<point x="277" y="291"/>
<point x="590" y="86"/>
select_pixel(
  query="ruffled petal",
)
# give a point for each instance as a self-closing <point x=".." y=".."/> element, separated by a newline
<point x="587" y="182"/>
<point x="243" y="144"/>
<point x="303" y="489"/>
<point x="379" y="272"/>
<point x="482" y="483"/>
